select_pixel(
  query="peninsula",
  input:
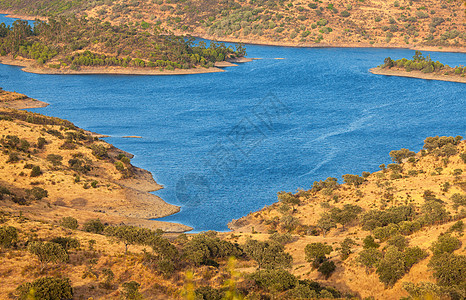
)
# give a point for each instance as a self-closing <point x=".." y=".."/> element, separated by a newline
<point x="421" y="67"/>
<point x="90" y="46"/>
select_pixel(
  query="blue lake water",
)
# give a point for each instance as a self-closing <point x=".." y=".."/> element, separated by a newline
<point x="223" y="144"/>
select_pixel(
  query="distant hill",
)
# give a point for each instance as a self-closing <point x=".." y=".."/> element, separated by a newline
<point x="399" y="23"/>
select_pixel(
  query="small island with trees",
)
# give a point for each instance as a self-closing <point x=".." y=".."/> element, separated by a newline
<point x="86" y="45"/>
<point x="421" y="67"/>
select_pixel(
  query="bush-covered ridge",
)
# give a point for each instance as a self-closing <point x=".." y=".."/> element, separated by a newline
<point x="401" y="23"/>
<point x="423" y="64"/>
<point x="385" y="222"/>
<point x="92" y="259"/>
<point x="75" y="42"/>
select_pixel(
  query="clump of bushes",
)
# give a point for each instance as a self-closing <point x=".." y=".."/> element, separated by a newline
<point x="51" y="288"/>
<point x="94" y="226"/>
<point x="69" y="222"/>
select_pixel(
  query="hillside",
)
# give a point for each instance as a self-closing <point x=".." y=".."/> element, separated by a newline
<point x="414" y="200"/>
<point x="52" y="169"/>
<point x="434" y="25"/>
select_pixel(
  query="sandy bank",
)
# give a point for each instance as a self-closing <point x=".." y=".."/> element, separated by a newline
<point x="417" y="74"/>
<point x="31" y="67"/>
<point x="23" y="103"/>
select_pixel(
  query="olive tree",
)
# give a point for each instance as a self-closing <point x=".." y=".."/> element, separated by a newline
<point x="268" y="254"/>
<point x="48" y="252"/>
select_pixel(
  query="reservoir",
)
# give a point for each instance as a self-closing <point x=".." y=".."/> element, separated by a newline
<point x="223" y="144"/>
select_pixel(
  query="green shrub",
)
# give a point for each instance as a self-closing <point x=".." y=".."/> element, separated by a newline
<point x="420" y="290"/>
<point x="119" y="166"/>
<point x="391" y="267"/>
<point x="345" y="14"/>
<point x="66" y="242"/>
<point x="345" y="248"/>
<point x="94" y="226"/>
<point x="370" y="257"/>
<point x="384" y="233"/>
<point x="449" y="269"/>
<point x="306" y="289"/>
<point x="208" y="293"/>
<point x="36" y="171"/>
<point x="48" y="252"/>
<point x="327" y="268"/>
<point x="413" y="255"/>
<point x="99" y="151"/>
<point x="409" y="227"/>
<point x="398" y="241"/>
<point x="69" y="222"/>
<point x="463" y="157"/>
<point x="369" y="242"/>
<point x="458" y="227"/>
<point x="13" y="157"/>
<point x="458" y="200"/>
<point x="47" y="288"/>
<point x="55" y="159"/>
<point x="281" y="238"/>
<point x="379" y="218"/>
<point x="274" y="280"/>
<point x="317" y="250"/>
<point x="399" y="155"/>
<point x="41" y="142"/>
<point x="131" y="290"/>
<point x="433" y="211"/>
<point x="351" y="179"/>
<point x="206" y="247"/>
<point x="8" y="236"/>
<point x="37" y="193"/>
<point x="445" y="244"/>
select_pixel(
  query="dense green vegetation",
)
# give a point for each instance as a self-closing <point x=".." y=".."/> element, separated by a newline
<point x="425" y="65"/>
<point x="74" y="42"/>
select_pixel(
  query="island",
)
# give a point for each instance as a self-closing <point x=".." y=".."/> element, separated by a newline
<point x="421" y="67"/>
<point x="89" y="46"/>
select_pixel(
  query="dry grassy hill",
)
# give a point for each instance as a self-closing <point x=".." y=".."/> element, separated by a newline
<point x="435" y="25"/>
<point x="435" y="175"/>
<point x="72" y="172"/>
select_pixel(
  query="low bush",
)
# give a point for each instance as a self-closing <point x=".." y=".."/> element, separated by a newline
<point x="49" y="288"/>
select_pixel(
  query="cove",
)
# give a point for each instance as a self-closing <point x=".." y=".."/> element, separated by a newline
<point x="223" y="144"/>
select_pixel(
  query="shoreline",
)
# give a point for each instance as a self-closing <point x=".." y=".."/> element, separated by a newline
<point x="132" y="203"/>
<point x="330" y="45"/>
<point x="29" y="67"/>
<point x="417" y="74"/>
